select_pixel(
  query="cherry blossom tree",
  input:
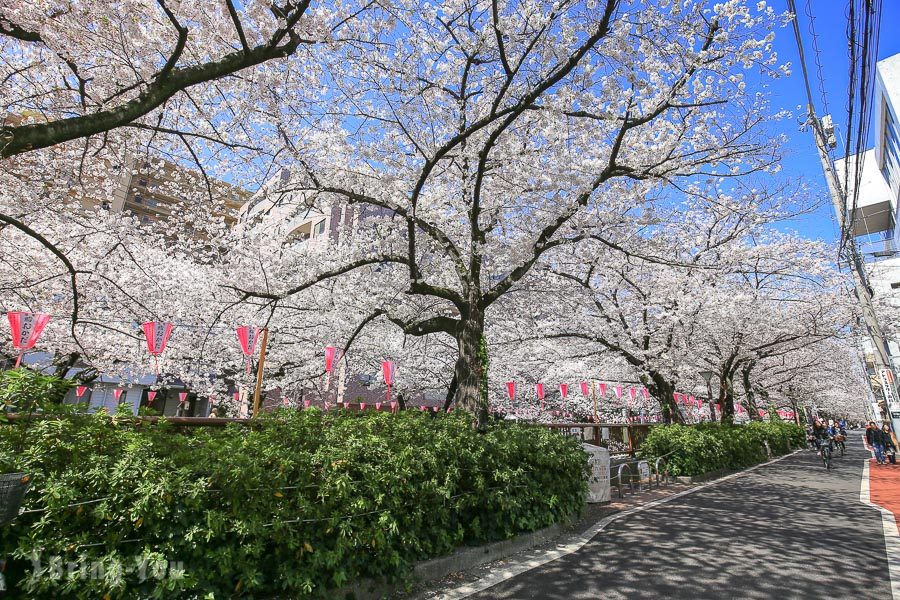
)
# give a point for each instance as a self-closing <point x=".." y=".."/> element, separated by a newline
<point x="497" y="133"/>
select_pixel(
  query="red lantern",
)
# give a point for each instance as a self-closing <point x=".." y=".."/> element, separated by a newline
<point x="387" y="370"/>
<point x="306" y="403"/>
<point x="539" y="388"/>
<point x="26" y="328"/>
<point x="237" y="396"/>
<point x="117" y="393"/>
<point x="564" y="390"/>
<point x="378" y="406"/>
<point x="330" y="352"/>
<point x="182" y="397"/>
<point x="157" y="334"/>
<point x="584" y="389"/>
<point x="511" y="390"/>
<point x="633" y="393"/>
<point x="618" y="390"/>
<point x="393" y="407"/>
<point x="151" y="396"/>
<point x="362" y="406"/>
<point x="248" y="335"/>
<point x="436" y="408"/>
<point x="646" y="393"/>
<point x="602" y="387"/>
<point x="80" y="390"/>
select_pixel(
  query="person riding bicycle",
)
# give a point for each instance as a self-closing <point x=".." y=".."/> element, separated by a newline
<point x="824" y="436"/>
<point x="837" y="435"/>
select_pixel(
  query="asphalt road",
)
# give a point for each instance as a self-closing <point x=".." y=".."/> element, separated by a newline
<point x="787" y="530"/>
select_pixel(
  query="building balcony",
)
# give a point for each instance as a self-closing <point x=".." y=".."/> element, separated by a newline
<point x="875" y="204"/>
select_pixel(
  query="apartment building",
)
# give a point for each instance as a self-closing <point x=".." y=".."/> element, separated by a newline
<point x="153" y="187"/>
<point x="873" y="206"/>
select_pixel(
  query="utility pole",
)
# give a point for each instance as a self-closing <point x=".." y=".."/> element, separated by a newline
<point x="857" y="268"/>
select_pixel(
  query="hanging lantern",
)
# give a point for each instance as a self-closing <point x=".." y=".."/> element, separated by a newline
<point x="157" y="334"/>
<point x="436" y="408"/>
<point x="378" y="406"/>
<point x="585" y="389"/>
<point x="80" y="390"/>
<point x="511" y="390"/>
<point x="422" y="407"/>
<point x="182" y="397"/>
<point x="677" y="397"/>
<point x="646" y="393"/>
<point x="330" y="353"/>
<point x="286" y="402"/>
<point x="247" y="336"/>
<point x="602" y="387"/>
<point x="151" y="396"/>
<point x="118" y="393"/>
<point x="618" y="390"/>
<point x="539" y="389"/>
<point x="306" y="403"/>
<point x="387" y="370"/>
<point x="633" y="393"/>
<point x="393" y="407"/>
<point x="564" y="390"/>
<point x="237" y="396"/>
<point x="26" y="328"/>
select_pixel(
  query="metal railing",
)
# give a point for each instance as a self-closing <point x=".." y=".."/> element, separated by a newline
<point x="628" y="474"/>
<point x="618" y="438"/>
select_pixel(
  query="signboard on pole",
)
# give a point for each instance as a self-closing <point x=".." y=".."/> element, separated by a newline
<point x="887" y="386"/>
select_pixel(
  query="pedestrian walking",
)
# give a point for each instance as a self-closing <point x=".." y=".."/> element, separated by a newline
<point x="890" y="448"/>
<point x="874" y="438"/>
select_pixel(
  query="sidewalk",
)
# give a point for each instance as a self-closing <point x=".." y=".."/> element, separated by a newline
<point x="592" y="514"/>
<point x="884" y="486"/>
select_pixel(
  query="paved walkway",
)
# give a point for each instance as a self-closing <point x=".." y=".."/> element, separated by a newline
<point x="790" y="529"/>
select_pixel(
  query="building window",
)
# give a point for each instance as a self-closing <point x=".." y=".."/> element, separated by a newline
<point x="891" y="150"/>
<point x="895" y="285"/>
<point x="320" y="227"/>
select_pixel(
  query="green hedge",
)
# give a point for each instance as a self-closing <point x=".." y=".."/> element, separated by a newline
<point x="698" y="449"/>
<point x="300" y="505"/>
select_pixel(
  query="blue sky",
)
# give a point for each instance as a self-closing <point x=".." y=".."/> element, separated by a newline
<point x="800" y="158"/>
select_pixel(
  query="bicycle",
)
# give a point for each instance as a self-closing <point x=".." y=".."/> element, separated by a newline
<point x="827" y="451"/>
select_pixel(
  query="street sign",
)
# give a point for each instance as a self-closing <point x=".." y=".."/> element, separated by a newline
<point x="887" y="386"/>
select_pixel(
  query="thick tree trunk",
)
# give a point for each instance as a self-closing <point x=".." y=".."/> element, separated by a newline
<point x="752" y="408"/>
<point x="468" y="371"/>
<point x="661" y="389"/>
<point x="726" y="394"/>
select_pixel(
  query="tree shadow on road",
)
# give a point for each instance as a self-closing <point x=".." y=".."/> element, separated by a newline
<point x="788" y="530"/>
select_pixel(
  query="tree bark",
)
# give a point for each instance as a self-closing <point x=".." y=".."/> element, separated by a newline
<point x="726" y="391"/>
<point x="468" y="370"/>
<point x="752" y="408"/>
<point x="663" y="390"/>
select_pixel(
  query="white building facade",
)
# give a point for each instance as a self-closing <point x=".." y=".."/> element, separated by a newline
<point x="873" y="212"/>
